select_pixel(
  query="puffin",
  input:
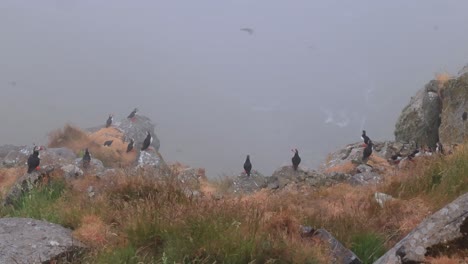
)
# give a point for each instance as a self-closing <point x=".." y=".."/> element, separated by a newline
<point x="413" y="154"/>
<point x="147" y="142"/>
<point x="295" y="159"/>
<point x="367" y="151"/>
<point x="130" y="145"/>
<point x="365" y="137"/>
<point x="132" y="114"/>
<point x="439" y="148"/>
<point x="109" y="120"/>
<point x="108" y="143"/>
<point x="86" y="159"/>
<point x="247" y="165"/>
<point x="34" y="160"/>
<point x="395" y="159"/>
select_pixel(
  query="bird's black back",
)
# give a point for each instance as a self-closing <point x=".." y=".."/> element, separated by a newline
<point x="296" y="160"/>
<point x="130" y="146"/>
<point x="367" y="151"/>
<point x="33" y="161"/>
<point x="109" y="121"/>
<point x="146" y="142"/>
<point x="247" y="166"/>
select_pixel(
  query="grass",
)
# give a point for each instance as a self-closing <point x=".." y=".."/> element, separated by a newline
<point x="146" y="217"/>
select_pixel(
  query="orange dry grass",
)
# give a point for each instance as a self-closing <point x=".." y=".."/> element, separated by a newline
<point x="77" y="140"/>
<point x="442" y="79"/>
<point x="93" y="231"/>
<point x="447" y="260"/>
<point x="346" y="167"/>
<point x="8" y="177"/>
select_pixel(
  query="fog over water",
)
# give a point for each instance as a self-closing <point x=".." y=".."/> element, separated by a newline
<point x="310" y="76"/>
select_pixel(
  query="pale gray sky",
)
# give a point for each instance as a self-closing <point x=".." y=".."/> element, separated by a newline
<point x="311" y="76"/>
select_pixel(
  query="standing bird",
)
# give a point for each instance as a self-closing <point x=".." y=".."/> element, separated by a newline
<point x="109" y="120"/>
<point x="365" y="137"/>
<point x="367" y="151"/>
<point x="133" y="113"/>
<point x="147" y="142"/>
<point x="130" y="145"/>
<point x="34" y="160"/>
<point x="439" y="148"/>
<point x="108" y="143"/>
<point x="296" y="160"/>
<point x="247" y="165"/>
<point x="86" y="159"/>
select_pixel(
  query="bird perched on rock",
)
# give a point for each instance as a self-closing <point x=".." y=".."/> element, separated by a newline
<point x="247" y="165"/>
<point x="130" y="145"/>
<point x="367" y="151"/>
<point x="365" y="137"/>
<point x="395" y="159"/>
<point x="296" y="160"/>
<point x="413" y="154"/>
<point x="147" y="142"/>
<point x="108" y="143"/>
<point x="133" y="114"/>
<point x="439" y="148"/>
<point x="109" y="120"/>
<point x="86" y="160"/>
<point x="34" y="160"/>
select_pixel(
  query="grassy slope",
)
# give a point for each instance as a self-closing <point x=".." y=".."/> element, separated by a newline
<point x="135" y="219"/>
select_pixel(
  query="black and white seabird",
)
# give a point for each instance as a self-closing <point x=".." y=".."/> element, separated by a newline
<point x="108" y="143"/>
<point x="395" y="159"/>
<point x="109" y="120"/>
<point x="296" y="160"/>
<point x="147" y="142"/>
<point x="414" y="154"/>
<point x="130" y="145"/>
<point x="34" y="160"/>
<point x="247" y="165"/>
<point x="439" y="148"/>
<point x="133" y="113"/>
<point x="367" y="151"/>
<point x="86" y="159"/>
<point x="365" y="137"/>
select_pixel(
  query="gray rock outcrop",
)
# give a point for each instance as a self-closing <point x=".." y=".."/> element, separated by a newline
<point x="248" y="184"/>
<point x="137" y="129"/>
<point x="27" y="241"/>
<point x="448" y="224"/>
<point x="420" y="119"/>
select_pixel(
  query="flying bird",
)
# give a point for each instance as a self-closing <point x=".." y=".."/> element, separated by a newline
<point x="247" y="165"/>
<point x="248" y="30"/>
<point x="109" y="120"/>
<point x="86" y="160"/>
<point x="130" y="145"/>
<point x="108" y="143"/>
<point x="147" y="142"/>
<point x="296" y="160"/>
<point x="34" y="160"/>
<point x="133" y="113"/>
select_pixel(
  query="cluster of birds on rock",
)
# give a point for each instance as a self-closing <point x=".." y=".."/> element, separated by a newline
<point x="296" y="160"/>
<point x="34" y="159"/>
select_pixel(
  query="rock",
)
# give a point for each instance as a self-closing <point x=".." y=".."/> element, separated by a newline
<point x="453" y="129"/>
<point x="382" y="198"/>
<point x="339" y="254"/>
<point x="71" y="171"/>
<point x="5" y="149"/>
<point x="24" y="240"/>
<point x="57" y="156"/>
<point x="420" y="119"/>
<point x="364" y="168"/>
<point x="248" y="184"/>
<point x="365" y="178"/>
<point x="25" y="184"/>
<point x="150" y="158"/>
<point x="95" y="166"/>
<point x="446" y="225"/>
<point x="137" y="130"/>
<point x="17" y="157"/>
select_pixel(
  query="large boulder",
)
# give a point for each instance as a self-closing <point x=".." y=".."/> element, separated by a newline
<point x="17" y="157"/>
<point x="25" y="184"/>
<point x="24" y="240"/>
<point x="137" y="128"/>
<point x="446" y="226"/>
<point x="248" y="184"/>
<point x="287" y="175"/>
<point x="94" y="167"/>
<point x="420" y="119"/>
<point x="5" y="149"/>
<point x="454" y="128"/>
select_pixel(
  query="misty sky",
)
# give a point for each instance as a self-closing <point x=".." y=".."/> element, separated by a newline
<point x="313" y="74"/>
